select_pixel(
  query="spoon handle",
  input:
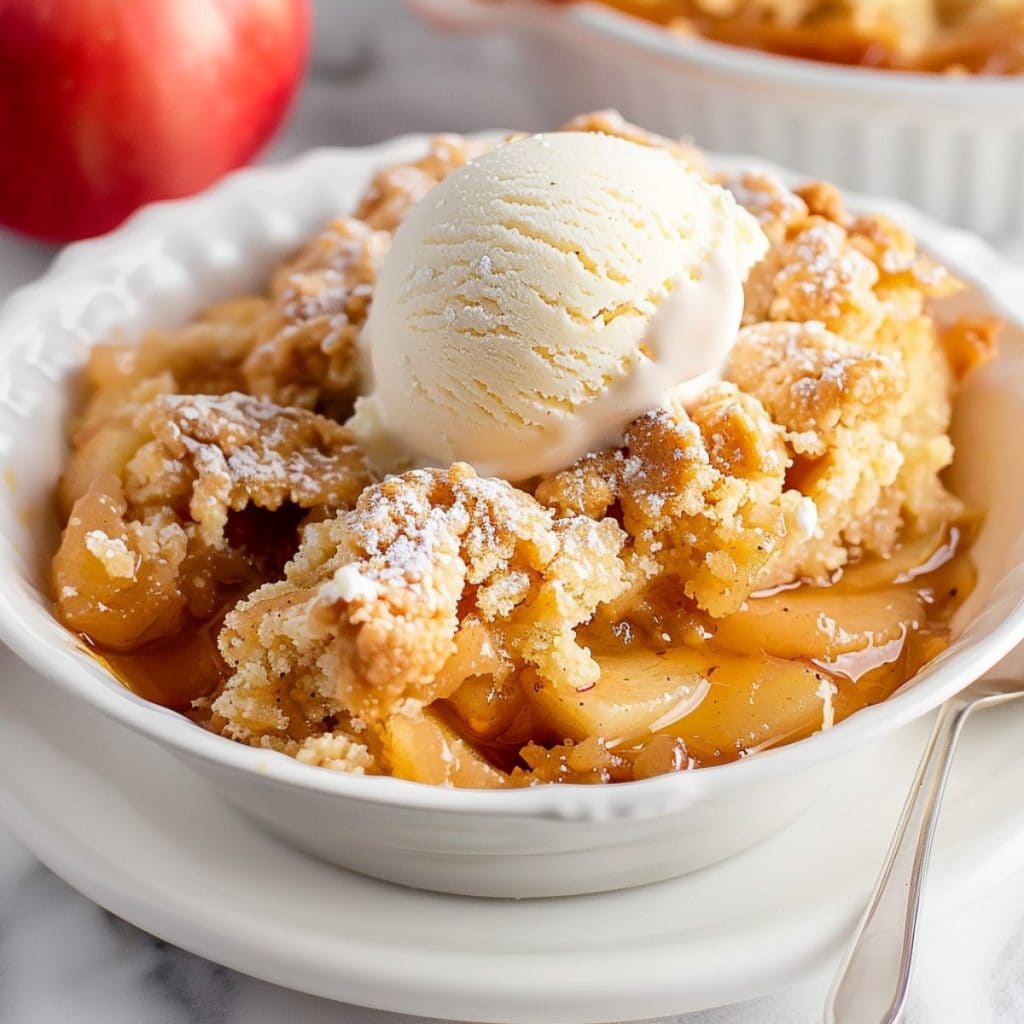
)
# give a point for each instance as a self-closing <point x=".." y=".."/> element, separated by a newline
<point x="871" y="984"/>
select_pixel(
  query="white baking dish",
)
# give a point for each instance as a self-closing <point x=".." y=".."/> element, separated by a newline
<point x="173" y="259"/>
<point x="952" y="145"/>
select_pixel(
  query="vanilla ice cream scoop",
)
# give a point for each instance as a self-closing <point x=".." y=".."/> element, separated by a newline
<point x="544" y="295"/>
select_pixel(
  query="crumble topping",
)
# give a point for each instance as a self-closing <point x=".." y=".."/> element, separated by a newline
<point x="436" y="552"/>
<point x="427" y="624"/>
<point x="700" y="497"/>
<point x="814" y="384"/>
<point x="113" y="553"/>
<point x="336" y="751"/>
<point x="305" y="353"/>
<point x="396" y="189"/>
<point x="221" y="453"/>
<point x="611" y="122"/>
<point x="161" y="481"/>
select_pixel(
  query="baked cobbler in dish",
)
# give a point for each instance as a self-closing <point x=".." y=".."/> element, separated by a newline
<point x="969" y="36"/>
<point x="254" y="536"/>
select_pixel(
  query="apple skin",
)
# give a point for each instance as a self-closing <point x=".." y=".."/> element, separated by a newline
<point x="109" y="104"/>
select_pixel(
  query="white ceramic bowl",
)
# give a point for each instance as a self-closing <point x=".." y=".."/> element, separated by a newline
<point x="175" y="258"/>
<point x="953" y="146"/>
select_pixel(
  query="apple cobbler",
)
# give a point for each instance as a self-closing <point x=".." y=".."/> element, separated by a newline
<point x="738" y="571"/>
<point x="967" y="36"/>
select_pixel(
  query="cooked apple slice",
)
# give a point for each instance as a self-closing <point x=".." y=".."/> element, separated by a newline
<point x="755" y="702"/>
<point x="107" y="450"/>
<point x="424" y="748"/>
<point x="913" y="557"/>
<point x="820" y="622"/>
<point x="638" y="692"/>
<point x="487" y="708"/>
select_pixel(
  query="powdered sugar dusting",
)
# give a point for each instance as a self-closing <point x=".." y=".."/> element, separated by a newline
<point x="118" y="560"/>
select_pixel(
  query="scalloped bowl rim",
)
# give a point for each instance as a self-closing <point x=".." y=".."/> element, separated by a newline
<point x="1002" y="285"/>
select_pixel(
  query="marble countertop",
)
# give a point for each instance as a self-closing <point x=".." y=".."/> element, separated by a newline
<point x="64" y="959"/>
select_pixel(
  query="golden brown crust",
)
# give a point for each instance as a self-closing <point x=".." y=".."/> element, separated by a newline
<point x="698" y="496"/>
<point x="219" y="454"/>
<point x="611" y="122"/>
<point x="149" y="493"/>
<point x="396" y="189"/>
<point x="812" y="383"/>
<point x="442" y="588"/>
<point x="306" y="350"/>
<point x="380" y="594"/>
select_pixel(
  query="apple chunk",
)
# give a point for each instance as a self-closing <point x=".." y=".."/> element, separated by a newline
<point x="754" y="702"/>
<point x="637" y="692"/>
<point x="820" y="622"/>
<point x="425" y="748"/>
<point x="486" y="708"/>
<point x="719" y="704"/>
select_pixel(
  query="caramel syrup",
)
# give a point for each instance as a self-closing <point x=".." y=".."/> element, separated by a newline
<point x="179" y="671"/>
<point x="872" y="628"/>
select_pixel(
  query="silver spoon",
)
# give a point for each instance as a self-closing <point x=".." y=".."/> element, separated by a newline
<point x="871" y="984"/>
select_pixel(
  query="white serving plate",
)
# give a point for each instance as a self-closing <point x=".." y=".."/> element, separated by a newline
<point x="951" y="144"/>
<point x="173" y="259"/>
<point x="122" y="821"/>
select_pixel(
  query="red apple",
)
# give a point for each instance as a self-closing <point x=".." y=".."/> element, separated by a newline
<point x="109" y="104"/>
